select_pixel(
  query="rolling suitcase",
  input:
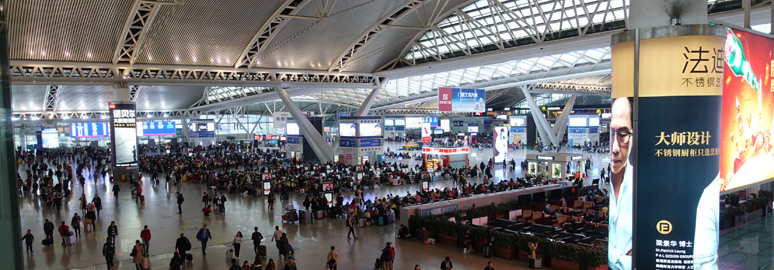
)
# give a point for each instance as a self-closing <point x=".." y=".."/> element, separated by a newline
<point x="145" y="263"/>
<point x="262" y="251"/>
<point x="189" y="257"/>
<point x="390" y="219"/>
<point x="361" y="222"/>
<point x="381" y="221"/>
<point x="230" y="253"/>
<point x="47" y="242"/>
<point x="142" y="198"/>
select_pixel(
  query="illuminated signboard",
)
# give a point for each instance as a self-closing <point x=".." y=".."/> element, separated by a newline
<point x="370" y="129"/>
<point x="292" y="129"/>
<point x="156" y="128"/>
<point x="89" y="130"/>
<point x="347" y="130"/>
<point x="445" y="151"/>
<point x="545" y="157"/>
<point x="123" y="134"/>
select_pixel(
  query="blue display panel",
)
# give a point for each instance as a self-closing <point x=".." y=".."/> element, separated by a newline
<point x="90" y="130"/>
<point x="157" y="128"/>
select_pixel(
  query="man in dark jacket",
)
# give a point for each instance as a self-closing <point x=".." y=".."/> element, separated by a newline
<point x="116" y="189"/>
<point x="109" y="251"/>
<point x="180" y="200"/>
<point x="257" y="237"/>
<point x="182" y="245"/>
<point x="28" y="240"/>
<point x="203" y="236"/>
<point x="447" y="264"/>
<point x="48" y="228"/>
<point x="112" y="231"/>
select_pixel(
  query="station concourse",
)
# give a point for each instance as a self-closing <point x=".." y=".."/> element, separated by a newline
<point x="430" y="108"/>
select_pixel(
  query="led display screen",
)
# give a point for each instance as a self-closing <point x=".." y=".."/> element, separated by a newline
<point x="445" y="125"/>
<point x="593" y="121"/>
<point x="292" y="129"/>
<point x="50" y="138"/>
<point x="577" y="121"/>
<point x="123" y="134"/>
<point x="518" y="122"/>
<point x="400" y="122"/>
<point x="156" y="128"/>
<point x="389" y="122"/>
<point x="413" y="122"/>
<point x="347" y="130"/>
<point x="473" y="129"/>
<point x="370" y="129"/>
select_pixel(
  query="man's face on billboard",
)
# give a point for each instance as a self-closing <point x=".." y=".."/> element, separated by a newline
<point x="620" y="136"/>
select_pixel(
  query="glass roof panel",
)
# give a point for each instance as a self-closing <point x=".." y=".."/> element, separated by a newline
<point x="507" y="20"/>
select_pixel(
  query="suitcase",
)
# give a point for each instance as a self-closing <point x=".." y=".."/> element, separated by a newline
<point x="142" y="198"/>
<point x="230" y="253"/>
<point x="145" y="263"/>
<point x="47" y="242"/>
<point x="381" y="221"/>
<point x="361" y="223"/>
<point x="319" y="214"/>
<point x="189" y="257"/>
<point x="535" y="263"/>
<point x="390" y="219"/>
<point x="262" y="251"/>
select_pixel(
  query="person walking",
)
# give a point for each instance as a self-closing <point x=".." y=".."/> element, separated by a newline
<point x="351" y="223"/>
<point x="28" y="240"/>
<point x="182" y="245"/>
<point x="388" y="255"/>
<point x="137" y="254"/>
<point x="276" y="238"/>
<point x="177" y="260"/>
<point x="234" y="265"/>
<point x="447" y="264"/>
<point x="64" y="232"/>
<point x="48" y="229"/>
<point x="333" y="259"/>
<point x="203" y="236"/>
<point x="489" y="266"/>
<point x="291" y="265"/>
<point x="237" y="244"/>
<point x="109" y="251"/>
<point x="257" y="237"/>
<point x="112" y="231"/>
<point x="116" y="189"/>
<point x="97" y="201"/>
<point x="145" y="235"/>
<point x="75" y="222"/>
<point x="180" y="200"/>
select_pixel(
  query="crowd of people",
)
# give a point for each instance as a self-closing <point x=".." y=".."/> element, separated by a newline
<point x="52" y="174"/>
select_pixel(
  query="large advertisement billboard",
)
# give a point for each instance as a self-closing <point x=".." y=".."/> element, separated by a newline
<point x="123" y="134"/>
<point x="676" y="139"/>
<point x="461" y="100"/>
<point x="50" y="138"/>
<point x="500" y="144"/>
<point x="747" y="123"/>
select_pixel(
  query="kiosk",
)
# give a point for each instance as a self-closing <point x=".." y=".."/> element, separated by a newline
<point x="555" y="165"/>
<point x="456" y="157"/>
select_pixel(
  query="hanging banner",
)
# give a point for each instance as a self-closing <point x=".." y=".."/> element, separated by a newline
<point x="426" y="137"/>
<point x="677" y="139"/>
<point x="281" y="119"/>
<point x="747" y="125"/>
<point x="461" y="100"/>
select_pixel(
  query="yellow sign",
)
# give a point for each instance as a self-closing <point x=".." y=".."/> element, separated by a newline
<point x="670" y="66"/>
<point x="664" y="227"/>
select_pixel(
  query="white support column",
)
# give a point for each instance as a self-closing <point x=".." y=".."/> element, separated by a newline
<point x="561" y="124"/>
<point x="540" y="120"/>
<point x="363" y="110"/>
<point x="321" y="148"/>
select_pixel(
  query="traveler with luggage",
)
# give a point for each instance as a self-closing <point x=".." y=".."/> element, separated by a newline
<point x="182" y="245"/>
<point x="257" y="237"/>
<point x="137" y="254"/>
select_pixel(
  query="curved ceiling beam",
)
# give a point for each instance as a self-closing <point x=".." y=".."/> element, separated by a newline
<point x="269" y="30"/>
<point x="136" y="28"/>
<point x="380" y="26"/>
<point x="428" y="27"/>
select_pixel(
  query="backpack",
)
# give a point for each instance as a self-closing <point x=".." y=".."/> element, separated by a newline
<point x="187" y="245"/>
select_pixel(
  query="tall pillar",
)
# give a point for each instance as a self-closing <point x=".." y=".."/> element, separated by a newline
<point x="320" y="147"/>
<point x="123" y="134"/>
<point x="561" y="123"/>
<point x="654" y="13"/>
<point x="540" y="120"/>
<point x="9" y="205"/>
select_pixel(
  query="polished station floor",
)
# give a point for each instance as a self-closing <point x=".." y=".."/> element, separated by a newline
<point x="311" y="241"/>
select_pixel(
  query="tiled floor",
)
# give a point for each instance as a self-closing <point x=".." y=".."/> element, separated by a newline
<point x="312" y="242"/>
<point x="748" y="247"/>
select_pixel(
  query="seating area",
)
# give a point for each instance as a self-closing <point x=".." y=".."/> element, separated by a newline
<point x="583" y="223"/>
